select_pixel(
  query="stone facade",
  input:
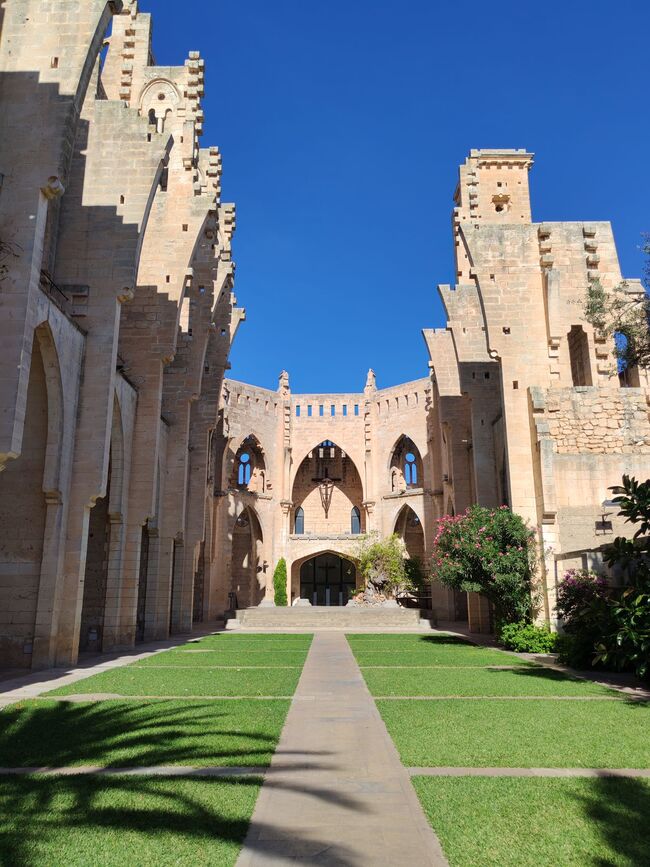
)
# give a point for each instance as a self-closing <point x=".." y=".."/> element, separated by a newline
<point x="524" y="407"/>
<point x="140" y="491"/>
<point x="359" y="441"/>
<point x="529" y="394"/>
<point x="116" y="320"/>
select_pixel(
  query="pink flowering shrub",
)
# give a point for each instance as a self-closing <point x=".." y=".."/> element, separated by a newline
<point x="578" y="589"/>
<point x="488" y="551"/>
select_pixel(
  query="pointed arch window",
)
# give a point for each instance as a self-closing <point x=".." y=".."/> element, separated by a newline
<point x="355" y="522"/>
<point x="410" y="470"/>
<point x="244" y="472"/>
<point x="299" y="522"/>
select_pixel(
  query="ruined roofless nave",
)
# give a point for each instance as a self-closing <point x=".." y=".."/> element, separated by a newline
<point x="140" y="491"/>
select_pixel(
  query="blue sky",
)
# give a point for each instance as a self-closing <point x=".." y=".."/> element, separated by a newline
<point x="342" y="126"/>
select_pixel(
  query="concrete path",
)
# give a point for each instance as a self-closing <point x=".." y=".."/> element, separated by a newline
<point x="23" y="685"/>
<point x="337" y="793"/>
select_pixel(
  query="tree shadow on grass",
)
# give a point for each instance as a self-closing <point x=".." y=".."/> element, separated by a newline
<point x="116" y="733"/>
<point x="86" y="818"/>
<point x="553" y="675"/>
<point x="620" y="809"/>
<point x="134" y="820"/>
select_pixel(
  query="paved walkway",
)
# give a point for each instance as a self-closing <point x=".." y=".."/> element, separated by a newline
<point x="336" y="792"/>
<point x="21" y="685"/>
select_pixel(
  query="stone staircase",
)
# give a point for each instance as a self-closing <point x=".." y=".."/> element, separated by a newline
<point x="321" y="617"/>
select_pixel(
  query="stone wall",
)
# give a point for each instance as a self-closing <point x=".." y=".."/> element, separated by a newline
<point x="597" y="420"/>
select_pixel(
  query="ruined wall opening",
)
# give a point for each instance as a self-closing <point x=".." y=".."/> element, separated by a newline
<point x="326" y="490"/>
<point x="247" y="577"/>
<point x="249" y="468"/>
<point x="95" y="578"/>
<point x="409" y="528"/>
<point x="579" y="356"/>
<point x="22" y="524"/>
<point x="405" y="466"/>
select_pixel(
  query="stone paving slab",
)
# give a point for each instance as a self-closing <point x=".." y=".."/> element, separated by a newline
<point x="529" y="772"/>
<point x="336" y="792"/>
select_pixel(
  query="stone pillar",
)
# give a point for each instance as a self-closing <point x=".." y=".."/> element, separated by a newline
<point x="44" y="639"/>
<point x="285" y="532"/>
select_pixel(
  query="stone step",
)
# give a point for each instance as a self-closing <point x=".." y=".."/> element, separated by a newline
<point x="321" y="617"/>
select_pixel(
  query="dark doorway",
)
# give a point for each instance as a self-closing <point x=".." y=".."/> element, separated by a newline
<point x="328" y="580"/>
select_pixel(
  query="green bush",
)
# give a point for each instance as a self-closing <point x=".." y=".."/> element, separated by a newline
<point x="492" y="552"/>
<point x="524" y="637"/>
<point x="625" y="643"/>
<point x="280" y="583"/>
<point x="583" y="606"/>
<point x="610" y="627"/>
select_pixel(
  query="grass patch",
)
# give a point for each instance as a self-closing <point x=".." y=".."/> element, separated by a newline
<point x="77" y="821"/>
<point x="482" y="681"/>
<point x="485" y="822"/>
<point x="423" y="650"/>
<point x="115" y="733"/>
<point x="233" y="642"/>
<point x="140" y="680"/>
<point x="205" y="658"/>
<point x="455" y="657"/>
<point x="534" y="733"/>
<point x="389" y="640"/>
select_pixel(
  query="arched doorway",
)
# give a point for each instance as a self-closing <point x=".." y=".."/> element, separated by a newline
<point x="328" y="580"/>
<point x="23" y="513"/>
<point x="248" y="579"/>
<point x="409" y="527"/>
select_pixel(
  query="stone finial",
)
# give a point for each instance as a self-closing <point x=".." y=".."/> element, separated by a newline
<point x="283" y="386"/>
<point x="371" y="382"/>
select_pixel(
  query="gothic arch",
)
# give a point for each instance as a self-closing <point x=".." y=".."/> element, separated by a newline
<point x="30" y="502"/>
<point x="405" y="465"/>
<point x="248" y="469"/>
<point x="150" y="100"/>
<point x="247" y="578"/>
<point x="357" y="459"/>
<point x="408" y="526"/>
<point x="55" y="407"/>
<point x="346" y="581"/>
<point x="327" y="486"/>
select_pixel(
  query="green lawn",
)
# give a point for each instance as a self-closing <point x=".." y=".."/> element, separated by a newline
<point x="148" y="681"/>
<point x="481" y="681"/>
<point x="424" y="639"/>
<point x="426" y="650"/>
<point x="528" y="733"/>
<point x="117" y="821"/>
<point x="489" y="822"/>
<point x="148" y="820"/>
<point x="193" y="658"/>
<point x="452" y="657"/>
<point x="128" y="733"/>
<point x="250" y="641"/>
